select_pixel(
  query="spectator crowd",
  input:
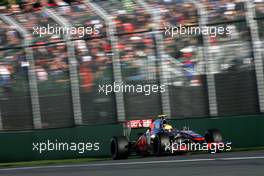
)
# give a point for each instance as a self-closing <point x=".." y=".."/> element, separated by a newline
<point x="138" y="50"/>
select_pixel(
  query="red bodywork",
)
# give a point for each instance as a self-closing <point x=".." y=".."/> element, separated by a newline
<point x="142" y="144"/>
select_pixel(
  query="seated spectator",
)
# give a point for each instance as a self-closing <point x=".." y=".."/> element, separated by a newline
<point x="259" y="8"/>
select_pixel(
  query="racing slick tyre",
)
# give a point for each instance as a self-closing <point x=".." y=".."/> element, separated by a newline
<point x="213" y="136"/>
<point x="119" y="147"/>
<point x="160" y="143"/>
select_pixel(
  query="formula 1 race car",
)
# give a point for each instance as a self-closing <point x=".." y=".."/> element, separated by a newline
<point x="161" y="138"/>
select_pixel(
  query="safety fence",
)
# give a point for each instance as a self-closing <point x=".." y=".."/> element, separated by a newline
<point x="53" y="80"/>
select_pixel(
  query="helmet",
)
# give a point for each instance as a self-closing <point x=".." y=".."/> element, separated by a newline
<point x="167" y="127"/>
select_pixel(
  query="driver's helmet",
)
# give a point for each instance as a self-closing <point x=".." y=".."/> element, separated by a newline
<point x="167" y="127"/>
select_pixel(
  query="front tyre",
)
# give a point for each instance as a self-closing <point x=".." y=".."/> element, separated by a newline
<point x="119" y="147"/>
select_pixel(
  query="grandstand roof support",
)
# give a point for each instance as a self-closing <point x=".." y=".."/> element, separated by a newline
<point x="111" y="31"/>
<point x="74" y="79"/>
<point x="1" y="123"/>
<point x="31" y="70"/>
<point x="165" y="99"/>
<point x="257" y="50"/>
<point x="210" y="78"/>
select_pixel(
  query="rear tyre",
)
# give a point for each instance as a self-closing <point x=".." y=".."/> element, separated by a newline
<point x="119" y="147"/>
<point x="160" y="143"/>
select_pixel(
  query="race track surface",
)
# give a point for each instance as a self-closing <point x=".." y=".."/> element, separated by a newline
<point x="222" y="164"/>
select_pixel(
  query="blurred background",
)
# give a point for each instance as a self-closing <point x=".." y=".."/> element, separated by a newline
<point x="52" y="81"/>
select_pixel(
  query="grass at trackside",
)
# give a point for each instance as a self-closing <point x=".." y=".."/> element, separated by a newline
<point x="236" y="150"/>
<point x="87" y="160"/>
<point x="52" y="162"/>
<point x="248" y="149"/>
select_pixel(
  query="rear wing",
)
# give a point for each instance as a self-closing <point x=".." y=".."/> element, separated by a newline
<point x="134" y="124"/>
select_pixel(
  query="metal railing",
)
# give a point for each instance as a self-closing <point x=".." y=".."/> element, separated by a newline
<point x="156" y="31"/>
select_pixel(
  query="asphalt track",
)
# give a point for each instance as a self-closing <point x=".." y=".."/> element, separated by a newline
<point x="222" y="164"/>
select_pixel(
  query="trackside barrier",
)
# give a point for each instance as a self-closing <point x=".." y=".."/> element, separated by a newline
<point x="250" y="7"/>
<point x="73" y="67"/>
<point x="111" y="31"/>
<point x="165" y="99"/>
<point x="18" y="146"/>
<point x="1" y="123"/>
<point x="25" y="146"/>
<point x="210" y="78"/>
<point x="31" y="70"/>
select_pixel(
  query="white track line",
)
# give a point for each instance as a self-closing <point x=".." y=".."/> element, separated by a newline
<point x="132" y="163"/>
